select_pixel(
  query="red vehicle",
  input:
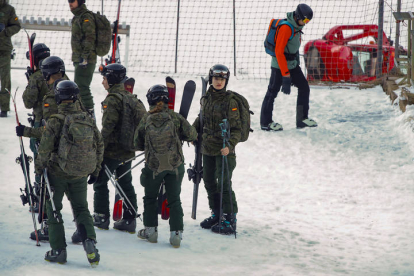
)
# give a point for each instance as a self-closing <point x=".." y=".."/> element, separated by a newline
<point x="334" y="58"/>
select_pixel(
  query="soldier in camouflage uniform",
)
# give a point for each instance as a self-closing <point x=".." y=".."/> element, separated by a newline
<point x="9" y="26"/>
<point x="83" y="50"/>
<point x="218" y="105"/>
<point x="115" y="153"/>
<point x="75" y="187"/>
<point x="160" y="133"/>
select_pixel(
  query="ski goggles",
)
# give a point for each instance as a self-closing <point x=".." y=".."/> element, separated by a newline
<point x="221" y="74"/>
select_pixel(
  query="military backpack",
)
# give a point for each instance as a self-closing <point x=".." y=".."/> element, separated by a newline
<point x="76" y="153"/>
<point x="245" y="112"/>
<point x="103" y="34"/>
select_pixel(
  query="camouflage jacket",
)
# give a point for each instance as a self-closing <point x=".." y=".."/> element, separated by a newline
<point x="49" y="107"/>
<point x="112" y="108"/>
<point x="49" y="144"/>
<point x="10" y="20"/>
<point x="217" y="106"/>
<point x="183" y="128"/>
<point x="83" y="35"/>
<point x="34" y="93"/>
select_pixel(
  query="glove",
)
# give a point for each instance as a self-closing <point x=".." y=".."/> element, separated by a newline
<point x="20" y="130"/>
<point x="286" y="82"/>
<point x="92" y="179"/>
<point x="84" y="63"/>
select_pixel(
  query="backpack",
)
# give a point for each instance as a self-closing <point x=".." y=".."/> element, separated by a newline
<point x="103" y="34"/>
<point x="130" y="119"/>
<point x="162" y="143"/>
<point x="245" y="112"/>
<point x="270" y="41"/>
<point x="76" y="153"/>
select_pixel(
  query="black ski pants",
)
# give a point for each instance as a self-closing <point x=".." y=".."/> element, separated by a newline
<point x="302" y="104"/>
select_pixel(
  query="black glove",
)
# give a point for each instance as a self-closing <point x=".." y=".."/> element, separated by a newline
<point x="92" y="179"/>
<point x="20" y="130"/>
<point x="286" y="85"/>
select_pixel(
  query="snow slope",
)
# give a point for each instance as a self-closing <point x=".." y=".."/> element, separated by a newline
<point x="334" y="200"/>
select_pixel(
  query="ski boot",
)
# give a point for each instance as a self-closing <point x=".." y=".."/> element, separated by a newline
<point x="306" y="123"/>
<point x="3" y="114"/>
<point x="42" y="234"/>
<point x="76" y="237"/>
<point x="272" y="127"/>
<point x="127" y="225"/>
<point x="149" y="233"/>
<point x="210" y="221"/>
<point x="91" y="252"/>
<point x="56" y="256"/>
<point x="227" y="225"/>
<point x="101" y="221"/>
<point x="175" y="238"/>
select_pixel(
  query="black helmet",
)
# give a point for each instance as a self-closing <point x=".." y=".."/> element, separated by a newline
<point x="303" y="12"/>
<point x="115" y="73"/>
<point x="219" y="70"/>
<point x="52" y="65"/>
<point x="80" y="2"/>
<point x="66" y="90"/>
<point x="157" y="93"/>
<point x="40" y="51"/>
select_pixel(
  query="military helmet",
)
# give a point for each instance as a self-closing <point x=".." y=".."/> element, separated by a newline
<point x="157" y="93"/>
<point x="40" y="51"/>
<point x="219" y="70"/>
<point x="52" y="65"/>
<point x="66" y="90"/>
<point x="80" y="2"/>
<point x="115" y="73"/>
<point x="303" y="12"/>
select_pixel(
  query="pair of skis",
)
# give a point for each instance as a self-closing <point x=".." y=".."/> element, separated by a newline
<point x="188" y="94"/>
<point x="30" y="40"/>
<point x="115" y="56"/>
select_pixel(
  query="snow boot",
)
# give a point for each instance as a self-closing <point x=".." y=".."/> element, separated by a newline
<point x="91" y="252"/>
<point x="227" y="225"/>
<point x="149" y="233"/>
<point x="210" y="221"/>
<point x="128" y="225"/>
<point x="56" y="256"/>
<point x="101" y="221"/>
<point x="306" y="123"/>
<point x="76" y="237"/>
<point x="272" y="127"/>
<point x="175" y="238"/>
<point x="43" y="234"/>
<point x="3" y="114"/>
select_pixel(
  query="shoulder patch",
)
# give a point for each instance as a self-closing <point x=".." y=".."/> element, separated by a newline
<point x="105" y="106"/>
<point x="16" y="18"/>
<point x="234" y="109"/>
<point x="86" y="20"/>
<point x="46" y="105"/>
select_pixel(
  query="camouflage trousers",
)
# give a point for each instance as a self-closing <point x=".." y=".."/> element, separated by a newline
<point x="83" y="78"/>
<point x="5" y="82"/>
<point x="76" y="191"/>
<point x="212" y="168"/>
<point x="152" y="184"/>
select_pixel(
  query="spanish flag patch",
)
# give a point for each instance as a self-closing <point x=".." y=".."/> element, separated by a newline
<point x="46" y="105"/>
<point x="16" y="18"/>
<point x="105" y="106"/>
<point x="86" y="20"/>
<point x="234" y="109"/>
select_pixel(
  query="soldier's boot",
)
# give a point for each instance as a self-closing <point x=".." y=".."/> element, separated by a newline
<point x="128" y="225"/>
<point x="56" y="256"/>
<point x="302" y="120"/>
<point x="175" y="238"/>
<point x="226" y="226"/>
<point x="210" y="221"/>
<point x="149" y="233"/>
<point x="42" y="234"/>
<point x="76" y="237"/>
<point x="91" y="252"/>
<point x="101" y="221"/>
<point x="3" y="114"/>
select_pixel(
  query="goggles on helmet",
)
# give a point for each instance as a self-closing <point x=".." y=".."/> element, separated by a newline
<point x="221" y="74"/>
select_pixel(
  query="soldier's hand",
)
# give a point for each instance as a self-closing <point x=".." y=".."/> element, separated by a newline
<point x="225" y="151"/>
<point x="286" y="81"/>
<point x="20" y="130"/>
<point x="83" y="64"/>
<point x="92" y="179"/>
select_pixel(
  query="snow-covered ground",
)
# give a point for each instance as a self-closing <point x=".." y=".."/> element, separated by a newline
<point x="334" y="200"/>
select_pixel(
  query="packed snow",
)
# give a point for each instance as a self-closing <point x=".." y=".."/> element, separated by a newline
<point x="333" y="200"/>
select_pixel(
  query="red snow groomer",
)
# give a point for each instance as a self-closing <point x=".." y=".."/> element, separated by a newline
<point x="335" y="58"/>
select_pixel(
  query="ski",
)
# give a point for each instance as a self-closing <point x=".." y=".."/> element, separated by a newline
<point x="188" y="94"/>
<point x="129" y="85"/>
<point x="115" y="56"/>
<point x="30" y="40"/>
<point x="27" y="196"/>
<point x="195" y="172"/>
<point x="171" y="92"/>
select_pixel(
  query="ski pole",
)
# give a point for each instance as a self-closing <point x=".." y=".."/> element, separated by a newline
<point x="131" y="159"/>
<point x="49" y="189"/>
<point x="130" y="169"/>
<point x="230" y="193"/>
<point x="223" y="133"/>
